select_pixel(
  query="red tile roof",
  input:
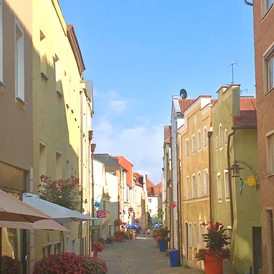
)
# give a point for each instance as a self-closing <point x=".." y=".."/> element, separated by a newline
<point x="126" y="165"/>
<point x="185" y="103"/>
<point x="158" y="188"/>
<point x="139" y="179"/>
<point x="248" y="114"/>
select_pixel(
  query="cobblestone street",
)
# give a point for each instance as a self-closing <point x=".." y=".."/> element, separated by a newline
<point x="140" y="257"/>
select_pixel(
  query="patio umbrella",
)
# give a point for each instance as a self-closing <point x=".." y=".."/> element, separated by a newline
<point x="58" y="213"/>
<point x="12" y="209"/>
<point x="43" y="224"/>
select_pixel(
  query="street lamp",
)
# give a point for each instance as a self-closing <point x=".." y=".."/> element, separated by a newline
<point x="92" y="149"/>
<point x="235" y="168"/>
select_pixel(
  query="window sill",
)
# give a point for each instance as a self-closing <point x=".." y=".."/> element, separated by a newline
<point x="21" y="101"/>
<point x="44" y="76"/>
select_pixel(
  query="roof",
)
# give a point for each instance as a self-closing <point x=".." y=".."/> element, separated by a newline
<point x="139" y="179"/>
<point x="123" y="162"/>
<point x="158" y="188"/>
<point x="107" y="160"/>
<point x="167" y="133"/>
<point x="185" y="103"/>
<point x="75" y="48"/>
<point x="248" y="113"/>
<point x="150" y="187"/>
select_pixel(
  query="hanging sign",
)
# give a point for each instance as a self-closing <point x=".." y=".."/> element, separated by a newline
<point x="101" y="214"/>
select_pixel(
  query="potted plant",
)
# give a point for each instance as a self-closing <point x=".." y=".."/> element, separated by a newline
<point x="161" y="235"/>
<point x="119" y="235"/>
<point x="216" y="249"/>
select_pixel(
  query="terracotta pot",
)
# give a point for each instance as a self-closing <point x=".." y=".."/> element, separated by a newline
<point x="119" y="238"/>
<point x="95" y="252"/>
<point x="213" y="264"/>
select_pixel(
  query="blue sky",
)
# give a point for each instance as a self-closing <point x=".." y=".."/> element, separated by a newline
<point x="139" y="53"/>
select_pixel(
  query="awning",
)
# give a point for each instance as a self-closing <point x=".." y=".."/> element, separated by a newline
<point x="58" y="213"/>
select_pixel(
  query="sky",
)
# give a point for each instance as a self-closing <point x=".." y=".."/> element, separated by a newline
<point x="139" y="53"/>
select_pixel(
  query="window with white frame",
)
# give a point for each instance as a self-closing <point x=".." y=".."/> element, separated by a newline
<point x="205" y="137"/>
<point x="190" y="244"/>
<point x="219" y="187"/>
<point x="193" y="143"/>
<point x="226" y="181"/>
<point x="199" y="142"/>
<point x="199" y="184"/>
<point x="220" y="135"/>
<point x="193" y="186"/>
<point x="19" y="62"/>
<point x="1" y="42"/>
<point x="194" y="236"/>
<point x="206" y="182"/>
<point x="270" y="153"/>
<point x="269" y="68"/>
<point x="187" y="188"/>
<point x="266" y="5"/>
<point x="187" y="147"/>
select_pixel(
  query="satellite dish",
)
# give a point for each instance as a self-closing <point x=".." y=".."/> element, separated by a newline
<point x="183" y="93"/>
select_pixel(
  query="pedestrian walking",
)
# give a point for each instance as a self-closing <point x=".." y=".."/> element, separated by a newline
<point x="148" y="231"/>
<point x="144" y="232"/>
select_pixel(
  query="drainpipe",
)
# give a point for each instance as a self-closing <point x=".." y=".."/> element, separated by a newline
<point x="209" y="135"/>
<point x="229" y="177"/>
<point x="248" y="3"/>
<point x="179" y="203"/>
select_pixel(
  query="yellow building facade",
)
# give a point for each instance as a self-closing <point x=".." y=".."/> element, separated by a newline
<point x="194" y="156"/>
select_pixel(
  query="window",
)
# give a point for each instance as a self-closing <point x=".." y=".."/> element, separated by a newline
<point x="201" y="232"/>
<point x="149" y="210"/>
<point x="42" y="160"/>
<point x="227" y="193"/>
<point x="220" y="135"/>
<point x="47" y="250"/>
<point x="43" y="55"/>
<point x="190" y="236"/>
<point x="193" y="187"/>
<point x="199" y="185"/>
<point x="269" y="67"/>
<point x="57" y="248"/>
<point x="19" y="63"/>
<point x="68" y="244"/>
<point x="195" y="236"/>
<point x="1" y="44"/>
<point x="74" y="246"/>
<point x="193" y="143"/>
<point x="187" y="147"/>
<point x="58" y="75"/>
<point x="206" y="182"/>
<point x="205" y="137"/>
<point x="58" y="165"/>
<point x="149" y="200"/>
<point x="199" y="144"/>
<point x="270" y="237"/>
<point x="270" y="154"/>
<point x="225" y="136"/>
<point x="187" y="188"/>
<point x="266" y="5"/>
<point x="219" y="187"/>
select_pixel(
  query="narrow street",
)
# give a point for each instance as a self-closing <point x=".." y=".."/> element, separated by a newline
<point x="140" y="256"/>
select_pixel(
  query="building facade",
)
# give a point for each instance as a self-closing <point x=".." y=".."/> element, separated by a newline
<point x="264" y="58"/>
<point x="235" y="203"/>
<point x="194" y="156"/>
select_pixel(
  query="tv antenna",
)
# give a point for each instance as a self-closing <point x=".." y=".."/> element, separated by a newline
<point x="232" y="70"/>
